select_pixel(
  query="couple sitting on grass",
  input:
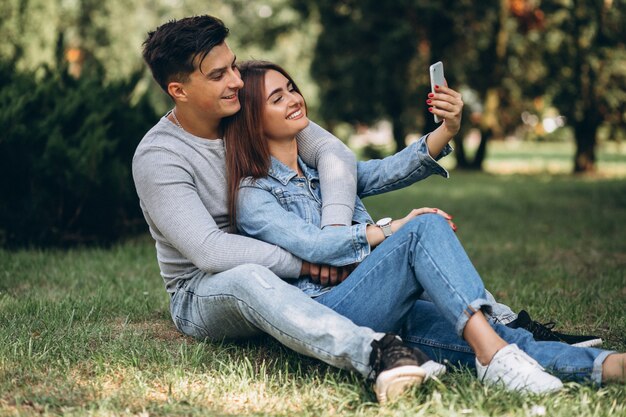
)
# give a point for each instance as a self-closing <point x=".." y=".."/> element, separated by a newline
<point x="259" y="228"/>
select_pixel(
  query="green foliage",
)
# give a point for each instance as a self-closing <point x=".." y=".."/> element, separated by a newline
<point x="363" y="60"/>
<point x="65" y="157"/>
<point x="584" y="53"/>
<point x="372" y="61"/>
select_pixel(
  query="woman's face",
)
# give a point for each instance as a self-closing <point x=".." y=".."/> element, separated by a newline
<point x="284" y="113"/>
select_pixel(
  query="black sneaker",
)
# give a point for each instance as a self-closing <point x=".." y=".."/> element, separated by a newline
<point x="544" y="333"/>
<point x="398" y="367"/>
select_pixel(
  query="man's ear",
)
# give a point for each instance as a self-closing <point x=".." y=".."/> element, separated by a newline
<point x="177" y="91"/>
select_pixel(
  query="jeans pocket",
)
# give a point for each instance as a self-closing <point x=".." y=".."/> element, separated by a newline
<point x="189" y="328"/>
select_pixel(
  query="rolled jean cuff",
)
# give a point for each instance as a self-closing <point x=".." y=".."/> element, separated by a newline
<point x="479" y="304"/>
<point x="596" y="373"/>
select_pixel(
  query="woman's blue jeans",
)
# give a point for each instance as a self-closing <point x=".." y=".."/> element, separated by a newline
<point x="383" y="293"/>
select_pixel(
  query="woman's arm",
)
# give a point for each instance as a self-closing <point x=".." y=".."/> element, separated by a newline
<point x="400" y="170"/>
<point x="336" y="165"/>
<point x="447" y="104"/>
<point x="417" y="161"/>
<point x="260" y="215"/>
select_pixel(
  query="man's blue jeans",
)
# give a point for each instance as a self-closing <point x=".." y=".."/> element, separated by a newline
<point x="250" y="300"/>
<point x="383" y="293"/>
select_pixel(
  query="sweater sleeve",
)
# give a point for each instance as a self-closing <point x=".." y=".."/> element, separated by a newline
<point x="336" y="165"/>
<point x="179" y="219"/>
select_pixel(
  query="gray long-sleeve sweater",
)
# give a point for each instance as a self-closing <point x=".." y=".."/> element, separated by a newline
<point x="181" y="183"/>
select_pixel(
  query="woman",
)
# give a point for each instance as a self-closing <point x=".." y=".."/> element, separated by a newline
<point x="275" y="197"/>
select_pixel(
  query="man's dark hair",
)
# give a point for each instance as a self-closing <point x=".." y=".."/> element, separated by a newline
<point x="176" y="48"/>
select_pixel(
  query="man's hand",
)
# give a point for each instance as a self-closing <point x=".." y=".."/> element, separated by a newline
<point x="305" y="269"/>
<point x="328" y="275"/>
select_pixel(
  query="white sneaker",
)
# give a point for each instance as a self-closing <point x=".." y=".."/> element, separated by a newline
<point x="517" y="371"/>
<point x="433" y="369"/>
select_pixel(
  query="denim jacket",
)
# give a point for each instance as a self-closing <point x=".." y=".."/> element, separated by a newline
<point x="285" y="209"/>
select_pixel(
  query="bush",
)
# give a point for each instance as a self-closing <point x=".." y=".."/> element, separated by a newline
<point x="66" y="147"/>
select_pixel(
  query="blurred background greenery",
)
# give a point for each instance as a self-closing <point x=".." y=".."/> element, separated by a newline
<point x="75" y="97"/>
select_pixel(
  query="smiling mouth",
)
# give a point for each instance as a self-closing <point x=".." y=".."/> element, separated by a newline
<point x="230" y="97"/>
<point x="295" y="114"/>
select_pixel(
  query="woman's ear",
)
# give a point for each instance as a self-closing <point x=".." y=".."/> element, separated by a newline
<point x="176" y="90"/>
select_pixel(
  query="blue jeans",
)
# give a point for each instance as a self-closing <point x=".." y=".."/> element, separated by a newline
<point x="383" y="293"/>
<point x="250" y="300"/>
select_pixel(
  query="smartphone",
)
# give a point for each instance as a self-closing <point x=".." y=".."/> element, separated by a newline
<point x="436" y="78"/>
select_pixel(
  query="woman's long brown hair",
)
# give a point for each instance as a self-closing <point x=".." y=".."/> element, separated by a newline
<point x="247" y="151"/>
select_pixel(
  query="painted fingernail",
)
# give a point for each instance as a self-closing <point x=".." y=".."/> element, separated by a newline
<point x="436" y="210"/>
<point x="436" y="87"/>
<point x="428" y="101"/>
<point x="430" y="109"/>
<point x="431" y="95"/>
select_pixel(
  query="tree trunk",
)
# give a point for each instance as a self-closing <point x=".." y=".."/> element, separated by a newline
<point x="585" y="157"/>
<point x="481" y="152"/>
<point x="459" y="152"/>
<point x="476" y="163"/>
<point x="399" y="133"/>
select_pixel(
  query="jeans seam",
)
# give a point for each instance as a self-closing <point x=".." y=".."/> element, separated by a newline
<point x="443" y="277"/>
<point x="432" y="343"/>
<point x="355" y="285"/>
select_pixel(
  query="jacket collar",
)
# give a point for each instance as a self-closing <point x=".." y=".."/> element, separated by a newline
<point x="283" y="174"/>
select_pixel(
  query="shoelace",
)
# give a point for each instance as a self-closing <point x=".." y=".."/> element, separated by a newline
<point x="513" y="362"/>
<point x="390" y="355"/>
<point x="543" y="331"/>
<point x="375" y="364"/>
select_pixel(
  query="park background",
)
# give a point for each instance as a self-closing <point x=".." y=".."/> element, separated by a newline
<point x="537" y="189"/>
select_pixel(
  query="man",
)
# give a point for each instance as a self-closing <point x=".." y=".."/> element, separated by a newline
<point x="226" y="286"/>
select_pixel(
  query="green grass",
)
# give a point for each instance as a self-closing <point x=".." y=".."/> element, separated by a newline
<point x="87" y="331"/>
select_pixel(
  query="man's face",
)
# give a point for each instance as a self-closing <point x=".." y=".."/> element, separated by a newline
<point x="213" y="88"/>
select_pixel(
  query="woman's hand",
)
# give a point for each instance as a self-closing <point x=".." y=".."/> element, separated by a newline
<point x="397" y="224"/>
<point x="448" y="105"/>
<point x="375" y="235"/>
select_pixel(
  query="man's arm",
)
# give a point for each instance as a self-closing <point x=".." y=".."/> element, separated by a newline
<point x="336" y="165"/>
<point x="168" y="193"/>
<point x="412" y="164"/>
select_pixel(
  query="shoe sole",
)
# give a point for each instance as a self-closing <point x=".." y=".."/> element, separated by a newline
<point x="589" y="343"/>
<point x="394" y="382"/>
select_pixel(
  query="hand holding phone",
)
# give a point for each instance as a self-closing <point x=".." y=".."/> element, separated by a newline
<point x="436" y="78"/>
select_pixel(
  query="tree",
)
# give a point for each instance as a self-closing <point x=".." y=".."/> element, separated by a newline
<point x="362" y="60"/>
<point x="65" y="156"/>
<point x="372" y="61"/>
<point x="585" y="57"/>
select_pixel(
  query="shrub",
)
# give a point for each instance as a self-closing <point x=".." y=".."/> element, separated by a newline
<point x="66" y="146"/>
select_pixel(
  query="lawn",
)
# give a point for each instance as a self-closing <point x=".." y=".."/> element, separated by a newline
<point x="87" y="331"/>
